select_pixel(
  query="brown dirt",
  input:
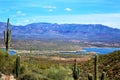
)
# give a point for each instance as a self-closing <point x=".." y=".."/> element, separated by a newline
<point x="69" y="59"/>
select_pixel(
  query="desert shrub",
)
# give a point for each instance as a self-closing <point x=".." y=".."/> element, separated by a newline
<point x="2" y="60"/>
<point x="28" y="76"/>
<point x="6" y="63"/>
<point x="59" y="73"/>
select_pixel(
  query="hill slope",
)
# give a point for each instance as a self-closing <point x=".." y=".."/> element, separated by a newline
<point x="109" y="63"/>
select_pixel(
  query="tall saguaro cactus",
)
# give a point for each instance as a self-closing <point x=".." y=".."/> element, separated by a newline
<point x="7" y="37"/>
<point x="76" y="71"/>
<point x="96" y="67"/>
<point x="17" y="66"/>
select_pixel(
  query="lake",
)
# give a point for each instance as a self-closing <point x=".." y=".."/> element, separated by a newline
<point x="10" y="51"/>
<point x="101" y="50"/>
<point x="97" y="50"/>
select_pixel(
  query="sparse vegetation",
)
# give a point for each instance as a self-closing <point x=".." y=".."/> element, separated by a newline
<point x="44" y="69"/>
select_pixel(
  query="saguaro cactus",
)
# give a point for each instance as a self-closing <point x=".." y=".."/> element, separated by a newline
<point x="103" y="76"/>
<point x="30" y="50"/>
<point x="30" y="60"/>
<point x="76" y="71"/>
<point x="96" y="67"/>
<point x="7" y="37"/>
<point x="17" y="66"/>
<point x="90" y="76"/>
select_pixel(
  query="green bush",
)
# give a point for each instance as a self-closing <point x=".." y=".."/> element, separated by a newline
<point x="60" y="73"/>
<point x="28" y="76"/>
<point x="6" y="63"/>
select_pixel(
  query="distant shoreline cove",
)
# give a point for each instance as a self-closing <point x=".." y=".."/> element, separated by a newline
<point x="98" y="50"/>
<point x="12" y="52"/>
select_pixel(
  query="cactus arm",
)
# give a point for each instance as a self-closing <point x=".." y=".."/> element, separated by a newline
<point x="103" y="76"/>
<point x="5" y="37"/>
<point x="90" y="76"/>
<point x="9" y="37"/>
<point x="8" y="24"/>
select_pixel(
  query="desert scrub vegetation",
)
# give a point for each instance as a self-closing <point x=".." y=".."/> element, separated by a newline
<point x="6" y="63"/>
<point x="38" y="68"/>
<point x="59" y="73"/>
<point x="45" y="69"/>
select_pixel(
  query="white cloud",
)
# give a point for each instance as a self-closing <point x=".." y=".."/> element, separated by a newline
<point x="49" y="7"/>
<point x="26" y="21"/>
<point x="68" y="9"/>
<point x="50" y="10"/>
<point x="20" y="13"/>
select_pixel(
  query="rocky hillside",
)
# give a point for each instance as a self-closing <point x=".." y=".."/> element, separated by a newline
<point x="109" y="63"/>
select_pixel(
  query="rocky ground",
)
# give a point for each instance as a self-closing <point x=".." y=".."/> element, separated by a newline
<point x="6" y="77"/>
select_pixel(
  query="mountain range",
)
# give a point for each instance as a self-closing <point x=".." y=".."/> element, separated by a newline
<point x="88" y="32"/>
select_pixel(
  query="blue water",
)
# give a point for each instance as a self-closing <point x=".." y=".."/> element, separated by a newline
<point x="97" y="50"/>
<point x="10" y="51"/>
<point x="101" y="50"/>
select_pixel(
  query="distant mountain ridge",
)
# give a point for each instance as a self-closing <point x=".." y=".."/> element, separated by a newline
<point x="90" y="32"/>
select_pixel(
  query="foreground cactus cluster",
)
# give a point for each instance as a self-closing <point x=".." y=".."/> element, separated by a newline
<point x="7" y="39"/>
<point x="90" y="76"/>
<point x="76" y="71"/>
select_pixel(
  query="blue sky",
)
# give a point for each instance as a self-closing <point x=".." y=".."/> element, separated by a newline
<point x="22" y="12"/>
